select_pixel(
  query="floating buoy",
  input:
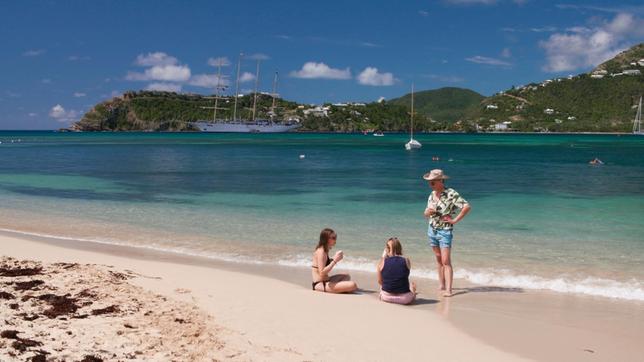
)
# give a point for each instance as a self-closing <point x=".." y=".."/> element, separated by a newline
<point x="302" y="156"/>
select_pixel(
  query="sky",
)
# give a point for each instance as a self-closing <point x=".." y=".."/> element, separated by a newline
<point x="60" y="58"/>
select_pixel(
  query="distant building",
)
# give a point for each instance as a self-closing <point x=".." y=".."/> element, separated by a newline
<point x="632" y="72"/>
<point x="492" y="106"/>
<point x="317" y="111"/>
<point x="501" y="127"/>
<point x="549" y="111"/>
<point x="572" y="118"/>
<point x="640" y="62"/>
<point x="558" y="121"/>
<point x="597" y="76"/>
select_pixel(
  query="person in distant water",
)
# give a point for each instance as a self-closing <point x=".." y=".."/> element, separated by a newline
<point x="393" y="275"/>
<point x="442" y="205"/>
<point x="596" y="161"/>
<point x="322" y="266"/>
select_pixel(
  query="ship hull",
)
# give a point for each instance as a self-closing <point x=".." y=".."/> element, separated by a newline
<point x="244" y="127"/>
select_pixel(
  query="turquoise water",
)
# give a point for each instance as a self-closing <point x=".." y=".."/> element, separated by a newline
<point x="542" y="217"/>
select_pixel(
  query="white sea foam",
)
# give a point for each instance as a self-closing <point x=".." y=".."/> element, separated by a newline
<point x="626" y="290"/>
<point x="228" y="257"/>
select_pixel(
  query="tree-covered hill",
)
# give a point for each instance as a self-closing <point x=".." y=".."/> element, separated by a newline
<point x="600" y="101"/>
<point x="445" y="104"/>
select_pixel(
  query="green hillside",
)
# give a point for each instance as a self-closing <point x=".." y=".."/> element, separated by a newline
<point x="445" y="104"/>
<point x="600" y="101"/>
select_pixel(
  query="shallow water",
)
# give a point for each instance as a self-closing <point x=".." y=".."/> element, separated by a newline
<point x="542" y="217"/>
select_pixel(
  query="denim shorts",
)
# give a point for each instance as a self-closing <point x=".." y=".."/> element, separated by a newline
<point x="440" y="237"/>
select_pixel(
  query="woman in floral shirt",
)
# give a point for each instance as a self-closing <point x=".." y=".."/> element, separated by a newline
<point x="442" y="204"/>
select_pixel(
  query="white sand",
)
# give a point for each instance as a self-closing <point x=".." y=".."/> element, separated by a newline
<point x="259" y="318"/>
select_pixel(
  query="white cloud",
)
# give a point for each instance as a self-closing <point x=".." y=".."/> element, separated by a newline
<point x="34" y="52"/>
<point x="59" y="113"/>
<point x="487" y="60"/>
<point x="313" y="70"/>
<point x="169" y="73"/>
<point x="45" y="81"/>
<point x="32" y="114"/>
<point x="208" y="81"/>
<point x="545" y="29"/>
<point x="506" y="53"/>
<point x="371" y="76"/>
<point x="164" y="87"/>
<point x="583" y="47"/>
<point x="163" y="70"/>
<point x="156" y="58"/>
<point x="369" y="44"/>
<point x="246" y="77"/>
<point x="423" y="13"/>
<point x="74" y="58"/>
<point x="223" y="61"/>
<point x="468" y="2"/>
<point x="79" y="94"/>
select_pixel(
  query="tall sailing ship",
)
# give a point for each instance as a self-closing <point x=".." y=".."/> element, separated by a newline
<point x="637" y="123"/>
<point x="237" y="125"/>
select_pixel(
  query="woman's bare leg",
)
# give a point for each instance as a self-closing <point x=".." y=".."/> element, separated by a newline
<point x="448" y="271"/>
<point x="441" y="269"/>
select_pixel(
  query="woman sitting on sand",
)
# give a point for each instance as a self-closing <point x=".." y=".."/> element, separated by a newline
<point x="393" y="275"/>
<point x="322" y="266"/>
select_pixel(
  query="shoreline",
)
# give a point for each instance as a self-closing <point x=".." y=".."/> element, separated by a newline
<point x="346" y="133"/>
<point x="607" y="328"/>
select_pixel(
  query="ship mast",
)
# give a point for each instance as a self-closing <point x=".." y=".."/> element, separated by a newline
<point x="218" y="88"/>
<point x="256" y="86"/>
<point x="237" y="86"/>
<point x="274" y="97"/>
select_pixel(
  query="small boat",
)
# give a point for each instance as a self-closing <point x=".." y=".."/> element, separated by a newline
<point x="412" y="142"/>
<point x="637" y="123"/>
<point x="378" y="134"/>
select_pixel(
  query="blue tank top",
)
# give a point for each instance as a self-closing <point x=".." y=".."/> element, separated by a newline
<point x="395" y="275"/>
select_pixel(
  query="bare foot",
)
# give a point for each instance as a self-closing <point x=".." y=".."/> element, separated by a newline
<point x="442" y="287"/>
<point x="412" y="288"/>
<point x="448" y="294"/>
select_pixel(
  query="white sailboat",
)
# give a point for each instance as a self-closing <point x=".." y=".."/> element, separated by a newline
<point x="412" y="142"/>
<point x="637" y="123"/>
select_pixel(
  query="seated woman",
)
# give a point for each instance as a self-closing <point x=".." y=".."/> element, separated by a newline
<point x="322" y="266"/>
<point x="393" y="275"/>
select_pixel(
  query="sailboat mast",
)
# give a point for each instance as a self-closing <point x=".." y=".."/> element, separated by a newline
<point x="256" y="86"/>
<point x="217" y="87"/>
<point x="274" y="96"/>
<point x="237" y="87"/>
<point x="637" y="124"/>
<point x="411" y="130"/>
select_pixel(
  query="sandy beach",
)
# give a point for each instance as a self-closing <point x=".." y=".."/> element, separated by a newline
<point x="126" y="303"/>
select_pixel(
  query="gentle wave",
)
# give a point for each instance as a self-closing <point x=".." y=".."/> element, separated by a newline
<point x="631" y="290"/>
<point x="228" y="257"/>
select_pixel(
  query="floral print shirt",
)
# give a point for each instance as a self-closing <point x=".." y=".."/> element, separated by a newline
<point x="448" y="202"/>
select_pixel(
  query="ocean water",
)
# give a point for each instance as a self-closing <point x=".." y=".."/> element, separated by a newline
<point x="542" y="217"/>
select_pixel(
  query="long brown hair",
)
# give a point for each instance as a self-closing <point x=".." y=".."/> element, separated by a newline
<point x="325" y="235"/>
<point x="396" y="246"/>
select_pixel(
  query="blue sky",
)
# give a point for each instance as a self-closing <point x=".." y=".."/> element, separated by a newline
<point x="59" y="58"/>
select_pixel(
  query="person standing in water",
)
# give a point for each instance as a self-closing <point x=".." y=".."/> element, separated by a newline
<point x="442" y="204"/>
